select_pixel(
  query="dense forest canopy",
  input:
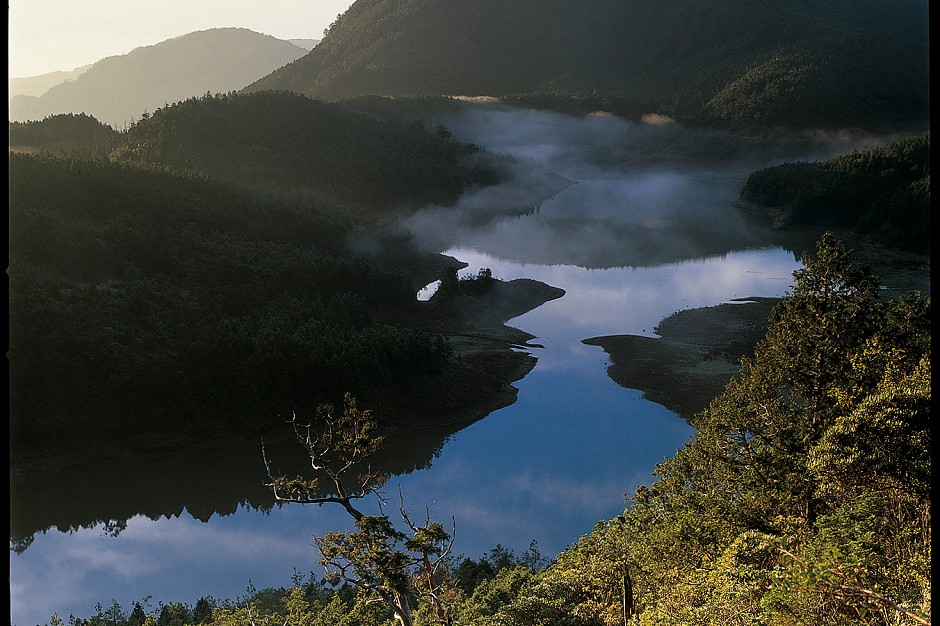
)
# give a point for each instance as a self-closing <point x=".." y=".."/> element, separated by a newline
<point x="289" y="141"/>
<point x="831" y="64"/>
<point x="64" y="133"/>
<point x="139" y="296"/>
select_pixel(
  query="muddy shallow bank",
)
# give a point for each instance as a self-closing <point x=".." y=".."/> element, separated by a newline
<point x="699" y="350"/>
<point x="697" y="353"/>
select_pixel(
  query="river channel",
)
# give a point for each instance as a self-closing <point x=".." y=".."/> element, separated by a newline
<point x="640" y="226"/>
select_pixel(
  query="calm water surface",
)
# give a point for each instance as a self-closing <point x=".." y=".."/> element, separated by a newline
<point x="629" y="243"/>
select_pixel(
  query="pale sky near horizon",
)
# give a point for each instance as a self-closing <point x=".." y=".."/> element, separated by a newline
<point x="60" y="35"/>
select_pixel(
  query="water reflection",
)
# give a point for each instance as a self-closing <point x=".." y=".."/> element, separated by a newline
<point x="625" y="300"/>
<point x="546" y="468"/>
<point x="205" y="484"/>
<point x="220" y="482"/>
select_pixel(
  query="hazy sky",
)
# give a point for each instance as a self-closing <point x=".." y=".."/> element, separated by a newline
<point x="50" y="35"/>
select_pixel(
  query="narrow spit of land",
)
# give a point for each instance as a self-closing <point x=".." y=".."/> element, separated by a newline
<point x="699" y="350"/>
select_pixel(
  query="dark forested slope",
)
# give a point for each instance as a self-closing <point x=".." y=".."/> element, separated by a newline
<point x="883" y="193"/>
<point x="771" y="63"/>
<point x="287" y="141"/>
<point x="804" y="495"/>
<point x="64" y="133"/>
<point x="120" y="89"/>
<point x="195" y="274"/>
<point x="145" y="301"/>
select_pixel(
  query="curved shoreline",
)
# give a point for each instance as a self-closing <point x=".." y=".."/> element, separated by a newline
<point x="697" y="352"/>
<point x="779" y="215"/>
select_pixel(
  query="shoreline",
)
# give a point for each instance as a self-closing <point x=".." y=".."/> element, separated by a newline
<point x="487" y="361"/>
<point x="697" y="352"/>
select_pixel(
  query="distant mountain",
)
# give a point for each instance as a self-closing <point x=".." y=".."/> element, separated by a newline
<point x="306" y="44"/>
<point x="120" y="89"/>
<point x="744" y="63"/>
<point x="38" y="85"/>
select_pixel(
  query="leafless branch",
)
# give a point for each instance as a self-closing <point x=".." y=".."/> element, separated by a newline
<point x="852" y="589"/>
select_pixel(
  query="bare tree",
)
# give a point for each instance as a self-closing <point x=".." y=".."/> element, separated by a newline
<point x="401" y="566"/>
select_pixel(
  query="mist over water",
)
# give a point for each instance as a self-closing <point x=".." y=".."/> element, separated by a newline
<point x="601" y="191"/>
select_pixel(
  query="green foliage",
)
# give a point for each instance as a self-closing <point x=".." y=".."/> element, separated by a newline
<point x="590" y="583"/>
<point x="165" y="614"/>
<point x="803" y="496"/>
<point x="883" y="193"/>
<point x="491" y="595"/>
<point x="470" y="573"/>
<point x="299" y="605"/>
<point x="371" y="551"/>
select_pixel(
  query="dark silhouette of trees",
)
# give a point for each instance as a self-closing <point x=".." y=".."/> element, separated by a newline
<point x="883" y="193"/>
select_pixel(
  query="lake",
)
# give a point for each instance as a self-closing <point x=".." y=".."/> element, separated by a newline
<point x="633" y="221"/>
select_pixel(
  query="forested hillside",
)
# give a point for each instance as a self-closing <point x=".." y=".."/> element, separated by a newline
<point x="883" y="193"/>
<point x="67" y="133"/>
<point x="144" y="301"/>
<point x="804" y="495"/>
<point x="739" y="64"/>
<point x="195" y="274"/>
<point x="803" y="498"/>
<point x="287" y="141"/>
<point x="118" y="90"/>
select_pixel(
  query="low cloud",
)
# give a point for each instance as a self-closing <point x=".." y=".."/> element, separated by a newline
<point x="601" y="191"/>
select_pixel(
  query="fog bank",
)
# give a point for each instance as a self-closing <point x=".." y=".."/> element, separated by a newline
<point x="601" y="191"/>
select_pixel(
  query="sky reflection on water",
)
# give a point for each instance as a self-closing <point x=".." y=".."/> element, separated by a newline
<point x="626" y="300"/>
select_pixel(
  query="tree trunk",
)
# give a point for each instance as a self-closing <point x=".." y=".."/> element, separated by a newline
<point x="627" y="591"/>
<point x="401" y="607"/>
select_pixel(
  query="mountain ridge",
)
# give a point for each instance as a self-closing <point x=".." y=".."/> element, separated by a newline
<point x="723" y="62"/>
<point x="120" y="89"/>
<point x="41" y="83"/>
